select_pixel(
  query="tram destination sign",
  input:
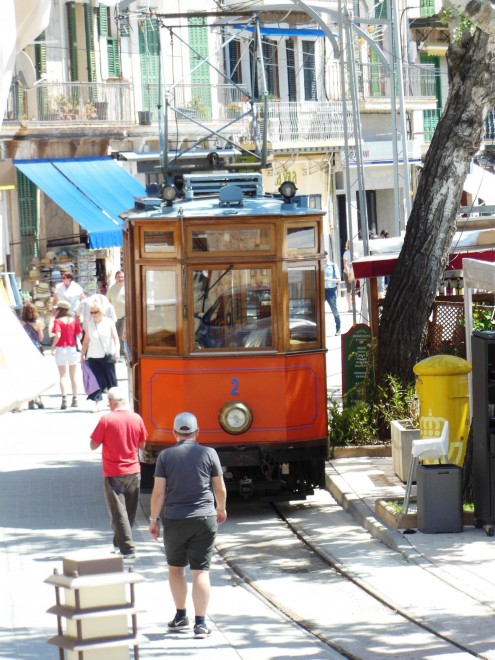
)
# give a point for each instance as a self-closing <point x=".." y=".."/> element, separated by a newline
<point x="355" y="360"/>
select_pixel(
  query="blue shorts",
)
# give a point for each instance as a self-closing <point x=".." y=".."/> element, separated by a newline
<point x="190" y="541"/>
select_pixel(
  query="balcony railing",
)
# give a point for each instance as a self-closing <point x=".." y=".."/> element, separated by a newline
<point x="419" y="81"/>
<point x="304" y="122"/>
<point x="63" y="103"/>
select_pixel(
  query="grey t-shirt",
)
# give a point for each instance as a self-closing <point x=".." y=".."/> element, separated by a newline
<point x="188" y="468"/>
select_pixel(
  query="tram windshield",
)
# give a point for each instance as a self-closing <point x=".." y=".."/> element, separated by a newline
<point x="230" y="305"/>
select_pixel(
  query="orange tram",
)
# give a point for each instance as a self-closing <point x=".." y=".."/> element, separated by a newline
<point x="225" y="319"/>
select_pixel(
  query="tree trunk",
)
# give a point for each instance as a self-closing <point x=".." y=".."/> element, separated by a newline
<point x="432" y="223"/>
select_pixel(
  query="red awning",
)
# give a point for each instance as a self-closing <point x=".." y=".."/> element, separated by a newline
<point x="383" y="264"/>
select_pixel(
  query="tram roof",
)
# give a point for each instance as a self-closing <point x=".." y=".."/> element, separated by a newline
<point x="210" y="207"/>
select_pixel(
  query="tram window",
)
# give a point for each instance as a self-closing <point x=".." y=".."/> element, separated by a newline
<point x="161" y="308"/>
<point x="158" y="241"/>
<point x="302" y="306"/>
<point x="299" y="238"/>
<point x="232" y="308"/>
<point x="255" y="239"/>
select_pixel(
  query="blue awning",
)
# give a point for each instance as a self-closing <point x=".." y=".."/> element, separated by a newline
<point x="284" y="32"/>
<point x="93" y="191"/>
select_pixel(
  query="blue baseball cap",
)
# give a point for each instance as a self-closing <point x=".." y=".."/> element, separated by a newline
<point x="185" y="423"/>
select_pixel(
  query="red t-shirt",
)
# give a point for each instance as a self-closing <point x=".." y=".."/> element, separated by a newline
<point x="120" y="433"/>
<point x="68" y="332"/>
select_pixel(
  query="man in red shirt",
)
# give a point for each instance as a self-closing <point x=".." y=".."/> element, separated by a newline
<point x="121" y="433"/>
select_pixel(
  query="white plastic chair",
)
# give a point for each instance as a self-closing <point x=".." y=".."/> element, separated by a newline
<point x="426" y="448"/>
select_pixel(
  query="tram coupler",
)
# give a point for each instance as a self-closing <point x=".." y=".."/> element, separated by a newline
<point x="246" y="487"/>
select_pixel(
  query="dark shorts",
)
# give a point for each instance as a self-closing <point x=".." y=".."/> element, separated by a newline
<point x="190" y="541"/>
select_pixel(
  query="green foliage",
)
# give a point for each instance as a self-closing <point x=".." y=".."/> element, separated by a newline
<point x="483" y="317"/>
<point x="459" y="23"/>
<point x="358" y="421"/>
<point x="350" y="425"/>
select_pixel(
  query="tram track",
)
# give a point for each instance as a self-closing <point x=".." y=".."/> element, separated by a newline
<point x="269" y="548"/>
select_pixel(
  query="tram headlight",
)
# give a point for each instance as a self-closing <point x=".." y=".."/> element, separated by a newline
<point x="235" y="417"/>
<point x="287" y="189"/>
<point x="169" y="194"/>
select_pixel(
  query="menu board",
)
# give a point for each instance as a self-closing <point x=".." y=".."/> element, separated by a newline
<point x="355" y="358"/>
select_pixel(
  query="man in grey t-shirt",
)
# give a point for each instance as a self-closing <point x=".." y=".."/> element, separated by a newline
<point x="189" y="494"/>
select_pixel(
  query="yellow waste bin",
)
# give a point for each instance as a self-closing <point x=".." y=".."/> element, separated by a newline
<point x="443" y="392"/>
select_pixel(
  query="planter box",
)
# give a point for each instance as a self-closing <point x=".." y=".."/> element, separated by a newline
<point x="358" y="451"/>
<point x="402" y="438"/>
<point x="387" y="515"/>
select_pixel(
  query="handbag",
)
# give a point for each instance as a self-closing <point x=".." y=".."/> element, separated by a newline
<point x="109" y="358"/>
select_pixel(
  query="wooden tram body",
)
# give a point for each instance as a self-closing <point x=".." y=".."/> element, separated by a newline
<point x="224" y="318"/>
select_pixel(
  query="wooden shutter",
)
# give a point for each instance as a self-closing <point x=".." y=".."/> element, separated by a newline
<point x="234" y="61"/>
<point x="90" y="47"/>
<point x="427" y="8"/>
<point x="200" y="77"/>
<point x="381" y="9"/>
<point x="103" y="21"/>
<point x="28" y="219"/>
<point x="113" y="57"/>
<point x="72" y="36"/>
<point x="150" y="62"/>
<point x="432" y="117"/>
<point x="291" y="69"/>
<point x="308" y="55"/>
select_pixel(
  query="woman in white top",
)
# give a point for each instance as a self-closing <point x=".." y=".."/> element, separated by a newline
<point x="101" y="348"/>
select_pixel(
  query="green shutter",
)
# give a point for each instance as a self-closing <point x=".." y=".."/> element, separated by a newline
<point x="103" y="21"/>
<point x="90" y="47"/>
<point x="427" y="8"/>
<point x="200" y="77"/>
<point x="113" y="57"/>
<point x="124" y="23"/>
<point x="72" y="36"/>
<point x="376" y="71"/>
<point x="40" y="56"/>
<point x="149" y="36"/>
<point x="381" y="9"/>
<point x="28" y="219"/>
<point x="40" y="68"/>
<point x="432" y="117"/>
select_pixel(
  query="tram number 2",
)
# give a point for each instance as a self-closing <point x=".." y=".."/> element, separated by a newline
<point x="235" y="386"/>
<point x="286" y="176"/>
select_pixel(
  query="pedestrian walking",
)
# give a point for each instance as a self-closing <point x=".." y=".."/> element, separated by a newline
<point x="32" y="325"/>
<point x="332" y="281"/>
<point x="189" y="495"/>
<point x="120" y="433"/>
<point x="116" y="295"/>
<point x="66" y="330"/>
<point x="100" y="348"/>
<point x="84" y="309"/>
<point x="70" y="291"/>
<point x="348" y="275"/>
